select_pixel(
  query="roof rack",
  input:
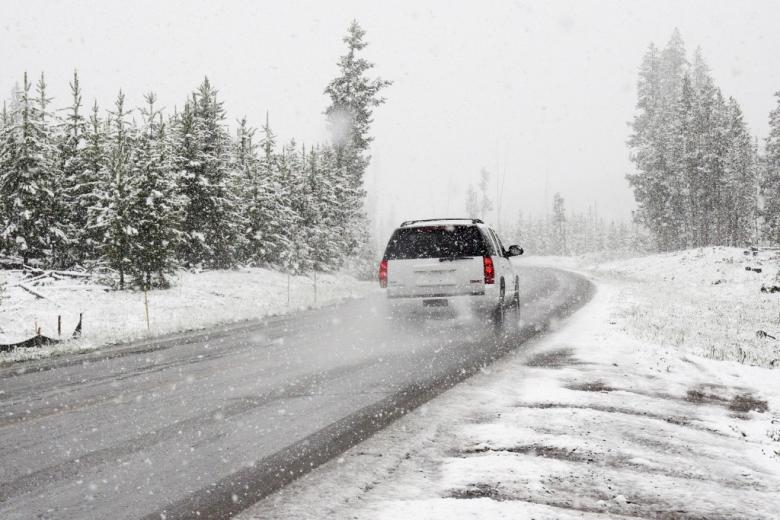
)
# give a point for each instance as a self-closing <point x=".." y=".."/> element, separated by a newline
<point x="410" y="222"/>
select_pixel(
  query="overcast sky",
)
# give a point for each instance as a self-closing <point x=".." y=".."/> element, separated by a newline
<point x="540" y="92"/>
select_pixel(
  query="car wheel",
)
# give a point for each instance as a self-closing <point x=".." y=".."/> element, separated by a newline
<point x="499" y="313"/>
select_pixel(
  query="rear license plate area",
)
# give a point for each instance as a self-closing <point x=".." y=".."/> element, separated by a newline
<point x="438" y="302"/>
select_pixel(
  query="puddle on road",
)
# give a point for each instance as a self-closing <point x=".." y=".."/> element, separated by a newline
<point x="747" y="403"/>
<point x="741" y="403"/>
<point x="554" y="359"/>
<point x="591" y="386"/>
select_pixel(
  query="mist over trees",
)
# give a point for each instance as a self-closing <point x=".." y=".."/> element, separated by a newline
<point x="560" y="232"/>
<point x="143" y="193"/>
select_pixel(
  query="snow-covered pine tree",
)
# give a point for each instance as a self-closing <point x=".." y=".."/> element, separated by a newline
<point x="26" y="179"/>
<point x="112" y="217"/>
<point x="273" y="213"/>
<point x="311" y="215"/>
<point x="648" y="145"/>
<point x="247" y="167"/>
<point x="184" y="158"/>
<point x="212" y="219"/>
<point x="155" y="207"/>
<point x="78" y="183"/>
<point x="559" y="225"/>
<point x="353" y="96"/>
<point x="741" y="179"/>
<point x="6" y="145"/>
<point x="710" y="129"/>
<point x="576" y="234"/>
<point x="683" y="174"/>
<point x="665" y="189"/>
<point x="88" y="196"/>
<point x="314" y="213"/>
<point x="771" y="182"/>
<point x="293" y="259"/>
<point x="56" y="227"/>
<point x="325" y="185"/>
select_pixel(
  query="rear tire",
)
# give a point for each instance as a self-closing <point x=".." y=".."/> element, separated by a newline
<point x="499" y="313"/>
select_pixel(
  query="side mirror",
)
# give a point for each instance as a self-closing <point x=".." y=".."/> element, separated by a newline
<point x="515" y="251"/>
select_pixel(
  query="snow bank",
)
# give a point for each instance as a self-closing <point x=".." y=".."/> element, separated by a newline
<point x="197" y="300"/>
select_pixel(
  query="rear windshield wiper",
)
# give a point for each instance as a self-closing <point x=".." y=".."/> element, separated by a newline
<point x="453" y="258"/>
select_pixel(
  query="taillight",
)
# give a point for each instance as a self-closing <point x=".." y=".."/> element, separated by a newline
<point x="490" y="272"/>
<point x="383" y="274"/>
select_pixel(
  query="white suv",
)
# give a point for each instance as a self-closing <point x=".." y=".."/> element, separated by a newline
<point x="433" y="263"/>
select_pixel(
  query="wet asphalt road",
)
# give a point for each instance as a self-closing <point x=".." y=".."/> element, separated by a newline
<point x="205" y="424"/>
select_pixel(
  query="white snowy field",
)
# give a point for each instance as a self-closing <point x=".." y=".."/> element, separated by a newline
<point x="195" y="301"/>
<point x="617" y="414"/>
<point x="702" y="301"/>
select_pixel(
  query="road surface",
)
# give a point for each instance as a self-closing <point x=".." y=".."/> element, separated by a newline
<point x="205" y="424"/>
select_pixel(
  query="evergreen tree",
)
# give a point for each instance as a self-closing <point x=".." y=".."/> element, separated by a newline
<point x="771" y="179"/>
<point x="353" y="96"/>
<point x="559" y="224"/>
<point x="56" y="214"/>
<point x="87" y="193"/>
<point x="273" y="212"/>
<point x="247" y="166"/>
<point x="741" y="179"/>
<point x="318" y="214"/>
<point x="78" y="181"/>
<point x="5" y="141"/>
<point x="27" y="181"/>
<point x="684" y="169"/>
<point x="154" y="209"/>
<point x="212" y="223"/>
<point x="290" y="171"/>
<point x="325" y="191"/>
<point x="648" y="143"/>
<point x="113" y="220"/>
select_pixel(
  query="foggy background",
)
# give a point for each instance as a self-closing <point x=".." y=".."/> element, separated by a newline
<point x="539" y="93"/>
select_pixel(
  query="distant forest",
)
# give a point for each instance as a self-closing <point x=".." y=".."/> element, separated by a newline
<point x="141" y="193"/>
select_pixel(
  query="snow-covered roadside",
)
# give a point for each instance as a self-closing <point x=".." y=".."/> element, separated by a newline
<point x="195" y="301"/>
<point x="704" y="301"/>
<point x="592" y="421"/>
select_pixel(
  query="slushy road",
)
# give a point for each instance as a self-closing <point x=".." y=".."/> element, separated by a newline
<point x="204" y="424"/>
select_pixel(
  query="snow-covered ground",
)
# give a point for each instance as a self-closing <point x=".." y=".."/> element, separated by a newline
<point x="618" y="414"/>
<point x="195" y="301"/>
<point x="702" y="301"/>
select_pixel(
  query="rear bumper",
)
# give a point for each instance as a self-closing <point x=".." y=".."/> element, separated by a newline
<point x="400" y="296"/>
<point x="486" y="299"/>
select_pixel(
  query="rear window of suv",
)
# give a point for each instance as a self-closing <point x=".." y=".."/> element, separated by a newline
<point x="435" y="242"/>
